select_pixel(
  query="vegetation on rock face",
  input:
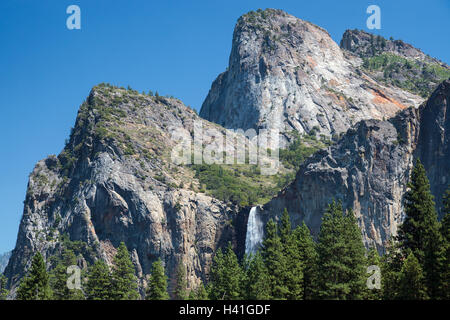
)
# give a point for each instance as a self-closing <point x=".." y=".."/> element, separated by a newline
<point x="408" y="74"/>
<point x="3" y="291"/>
<point x="232" y="183"/>
<point x="244" y="185"/>
<point x="301" y="148"/>
<point x="395" y="62"/>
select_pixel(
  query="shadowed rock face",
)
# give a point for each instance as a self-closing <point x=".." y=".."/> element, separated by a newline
<point x="368" y="170"/>
<point x="115" y="182"/>
<point x="433" y="147"/>
<point x="288" y="74"/>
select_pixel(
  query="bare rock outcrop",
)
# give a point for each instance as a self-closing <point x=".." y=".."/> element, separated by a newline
<point x="368" y="170"/>
<point x="288" y="74"/>
<point x="115" y="181"/>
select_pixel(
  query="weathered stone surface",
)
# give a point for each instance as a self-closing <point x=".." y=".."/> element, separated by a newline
<point x="396" y="63"/>
<point x="288" y="74"/>
<point x="368" y="170"/>
<point x="4" y="258"/>
<point x="365" y="44"/>
<point x="115" y="182"/>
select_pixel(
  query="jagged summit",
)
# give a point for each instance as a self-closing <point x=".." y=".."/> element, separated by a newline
<point x="366" y="44"/>
<point x="396" y="63"/>
<point x="288" y="74"/>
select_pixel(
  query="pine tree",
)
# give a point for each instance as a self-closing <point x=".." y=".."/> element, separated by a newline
<point x="391" y="264"/>
<point x="124" y="282"/>
<point x="199" y="294"/>
<point x="257" y="279"/>
<point x="445" y="233"/>
<point x="293" y="278"/>
<point x="420" y="229"/>
<point x="341" y="255"/>
<point x="99" y="285"/>
<point x="412" y="280"/>
<point x="356" y="253"/>
<point x="308" y="255"/>
<point x="226" y="276"/>
<point x="35" y="286"/>
<point x="180" y="289"/>
<point x="59" y="276"/>
<point x="3" y="291"/>
<point x="157" y="285"/>
<point x="275" y="261"/>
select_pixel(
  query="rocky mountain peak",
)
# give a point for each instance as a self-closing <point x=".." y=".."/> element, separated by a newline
<point x="288" y="74"/>
<point x="396" y="63"/>
<point x="115" y="181"/>
<point x="367" y="44"/>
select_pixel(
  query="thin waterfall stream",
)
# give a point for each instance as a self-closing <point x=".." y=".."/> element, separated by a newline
<point x="255" y="232"/>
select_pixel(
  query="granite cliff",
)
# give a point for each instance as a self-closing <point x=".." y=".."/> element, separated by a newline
<point x="4" y="258"/>
<point x="288" y="74"/>
<point x="115" y="181"/>
<point x="396" y="63"/>
<point x="368" y="170"/>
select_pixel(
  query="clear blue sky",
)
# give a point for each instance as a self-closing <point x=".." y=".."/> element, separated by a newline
<point x="174" y="47"/>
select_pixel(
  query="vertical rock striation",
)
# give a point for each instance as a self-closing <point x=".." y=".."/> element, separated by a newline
<point x="288" y="74"/>
<point x="368" y="170"/>
<point x="115" y="182"/>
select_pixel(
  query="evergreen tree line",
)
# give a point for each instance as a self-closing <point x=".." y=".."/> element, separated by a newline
<point x="101" y="282"/>
<point x="289" y="265"/>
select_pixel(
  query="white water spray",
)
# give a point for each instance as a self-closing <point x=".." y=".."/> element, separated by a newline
<point x="255" y="232"/>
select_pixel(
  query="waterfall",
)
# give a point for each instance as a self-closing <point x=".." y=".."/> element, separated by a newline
<point x="255" y="232"/>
